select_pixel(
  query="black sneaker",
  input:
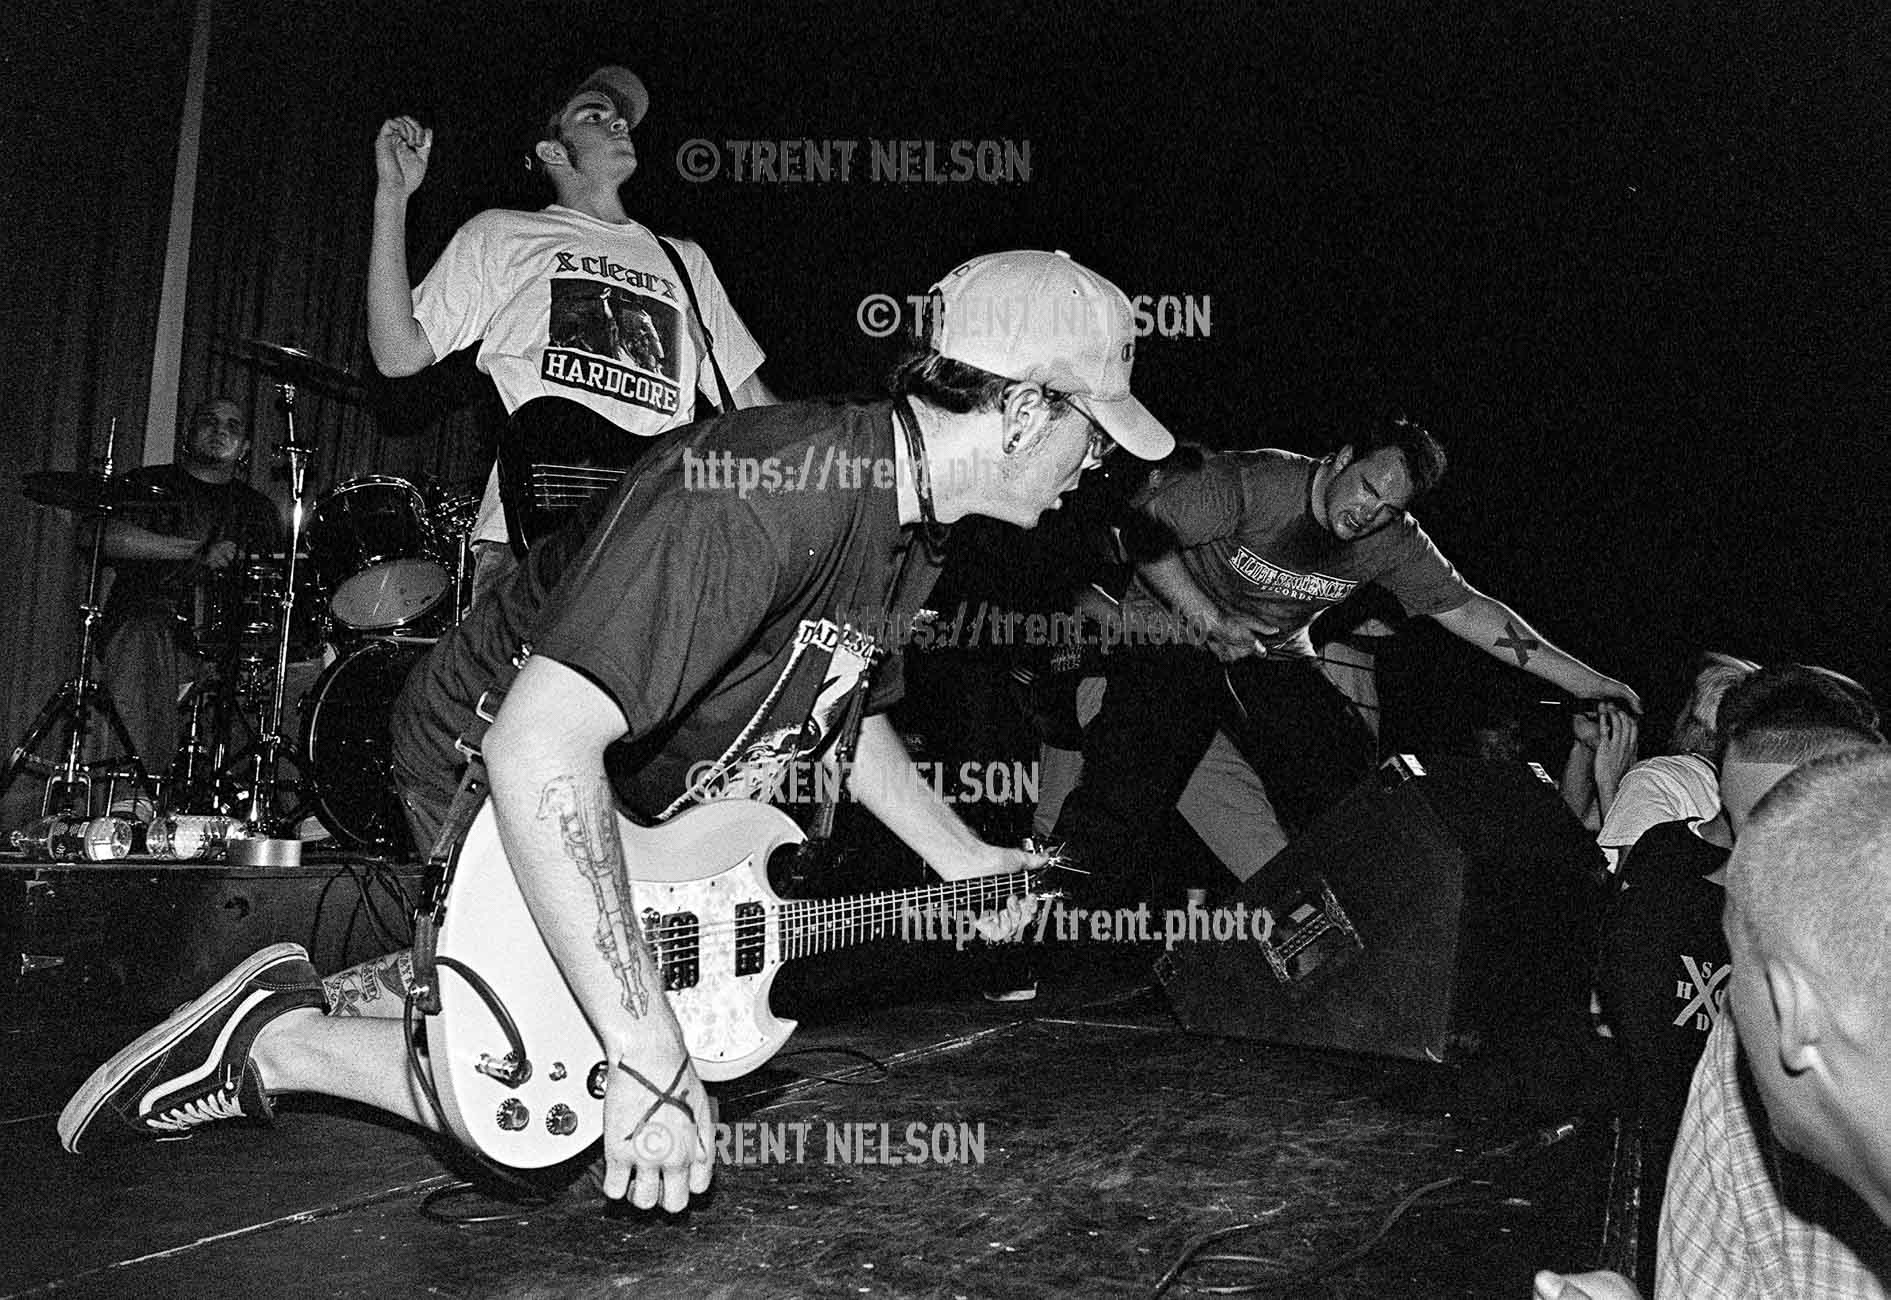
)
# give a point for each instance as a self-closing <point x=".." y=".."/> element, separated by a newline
<point x="195" y="1067"/>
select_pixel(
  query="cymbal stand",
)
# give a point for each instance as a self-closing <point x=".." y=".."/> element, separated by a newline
<point x="261" y="813"/>
<point x="72" y="705"/>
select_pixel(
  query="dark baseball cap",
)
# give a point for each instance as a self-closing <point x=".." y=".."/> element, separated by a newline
<point x="625" y="88"/>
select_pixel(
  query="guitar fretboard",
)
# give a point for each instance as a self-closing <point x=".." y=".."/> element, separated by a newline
<point x="811" y="926"/>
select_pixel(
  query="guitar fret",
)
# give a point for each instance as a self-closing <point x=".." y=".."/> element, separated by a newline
<point x="809" y="926"/>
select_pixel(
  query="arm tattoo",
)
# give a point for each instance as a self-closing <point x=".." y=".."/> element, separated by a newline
<point x="588" y="836"/>
<point x="1517" y="643"/>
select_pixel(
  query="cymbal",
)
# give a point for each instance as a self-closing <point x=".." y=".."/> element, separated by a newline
<point x="302" y="363"/>
<point x="91" y="493"/>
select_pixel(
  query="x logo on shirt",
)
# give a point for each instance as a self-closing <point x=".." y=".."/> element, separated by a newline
<point x="1706" y="987"/>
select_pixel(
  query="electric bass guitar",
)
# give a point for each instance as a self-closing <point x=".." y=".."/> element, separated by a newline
<point x="520" y="1072"/>
<point x="555" y="455"/>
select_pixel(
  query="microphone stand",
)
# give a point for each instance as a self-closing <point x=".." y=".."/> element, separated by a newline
<point x="260" y="817"/>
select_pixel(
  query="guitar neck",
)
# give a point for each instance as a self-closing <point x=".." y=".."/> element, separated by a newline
<point x="810" y="926"/>
<point x="554" y="456"/>
<point x="566" y="487"/>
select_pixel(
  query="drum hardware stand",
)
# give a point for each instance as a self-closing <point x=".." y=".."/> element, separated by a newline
<point x="192" y="787"/>
<point x="69" y="785"/>
<point x="260" y="815"/>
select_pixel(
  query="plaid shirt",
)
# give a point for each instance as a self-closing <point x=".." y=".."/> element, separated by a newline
<point x="1728" y="1231"/>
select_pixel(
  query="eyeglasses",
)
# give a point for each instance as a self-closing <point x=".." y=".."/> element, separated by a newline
<point x="1101" y="444"/>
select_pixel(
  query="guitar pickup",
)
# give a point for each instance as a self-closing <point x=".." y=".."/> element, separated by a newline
<point x="676" y="938"/>
<point x="751" y="938"/>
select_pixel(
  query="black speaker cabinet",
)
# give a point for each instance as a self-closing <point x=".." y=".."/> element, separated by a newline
<point x="1440" y="906"/>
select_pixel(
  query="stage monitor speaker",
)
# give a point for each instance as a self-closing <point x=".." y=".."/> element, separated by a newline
<point x="1440" y="906"/>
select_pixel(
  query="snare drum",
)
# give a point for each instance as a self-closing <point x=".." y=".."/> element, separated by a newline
<point x="372" y="546"/>
<point x="236" y="611"/>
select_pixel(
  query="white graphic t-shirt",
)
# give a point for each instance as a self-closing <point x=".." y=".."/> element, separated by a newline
<point x="565" y="305"/>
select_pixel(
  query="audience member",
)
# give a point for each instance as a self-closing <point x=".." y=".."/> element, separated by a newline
<point x="1747" y="1213"/>
<point x="1680" y="784"/>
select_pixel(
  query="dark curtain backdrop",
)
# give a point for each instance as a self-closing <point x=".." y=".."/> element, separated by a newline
<point x="90" y="97"/>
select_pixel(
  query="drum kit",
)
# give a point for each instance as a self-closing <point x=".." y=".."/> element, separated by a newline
<point x="377" y="570"/>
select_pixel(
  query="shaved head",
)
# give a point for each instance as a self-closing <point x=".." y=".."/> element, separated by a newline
<point x="1811" y="872"/>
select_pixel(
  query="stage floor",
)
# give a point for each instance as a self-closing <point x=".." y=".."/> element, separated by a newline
<point x="1072" y="1145"/>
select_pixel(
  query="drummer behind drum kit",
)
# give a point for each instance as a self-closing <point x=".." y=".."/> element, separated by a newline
<point x="380" y="572"/>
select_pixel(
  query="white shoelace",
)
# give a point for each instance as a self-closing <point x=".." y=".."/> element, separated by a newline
<point x="222" y="1104"/>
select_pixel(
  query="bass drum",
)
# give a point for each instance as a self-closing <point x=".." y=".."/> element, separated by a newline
<point x="347" y="754"/>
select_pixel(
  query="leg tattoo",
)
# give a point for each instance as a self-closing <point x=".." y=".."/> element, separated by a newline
<point x="374" y="988"/>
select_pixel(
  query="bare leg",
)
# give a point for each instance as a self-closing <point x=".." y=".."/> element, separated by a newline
<point x="359" y="1058"/>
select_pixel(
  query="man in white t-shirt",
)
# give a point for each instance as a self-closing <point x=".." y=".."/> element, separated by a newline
<point x="576" y="302"/>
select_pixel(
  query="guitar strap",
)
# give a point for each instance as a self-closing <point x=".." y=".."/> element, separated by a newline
<point x="821" y="825"/>
<point x="695" y="311"/>
<point x="467" y="800"/>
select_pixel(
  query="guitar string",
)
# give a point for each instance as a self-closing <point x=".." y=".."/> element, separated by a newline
<point x="809" y="924"/>
<point x="811" y="930"/>
<point x="864" y="907"/>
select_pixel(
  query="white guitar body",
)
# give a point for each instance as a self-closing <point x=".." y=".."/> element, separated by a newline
<point x="700" y="888"/>
<point x="709" y="864"/>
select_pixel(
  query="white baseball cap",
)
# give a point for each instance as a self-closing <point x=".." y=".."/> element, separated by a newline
<point x="1041" y="318"/>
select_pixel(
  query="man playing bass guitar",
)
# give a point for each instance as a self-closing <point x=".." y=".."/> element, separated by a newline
<point x="597" y="333"/>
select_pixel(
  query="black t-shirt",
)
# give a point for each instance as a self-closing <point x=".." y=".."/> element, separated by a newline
<point x="1664" y="962"/>
<point x="730" y="626"/>
<point x="201" y="511"/>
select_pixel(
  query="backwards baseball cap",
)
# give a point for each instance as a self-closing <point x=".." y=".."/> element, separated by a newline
<point x="1041" y="318"/>
<point x="625" y="88"/>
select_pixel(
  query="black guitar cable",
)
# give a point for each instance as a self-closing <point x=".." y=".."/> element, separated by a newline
<point x="535" y="1198"/>
<point x="1295" y="1282"/>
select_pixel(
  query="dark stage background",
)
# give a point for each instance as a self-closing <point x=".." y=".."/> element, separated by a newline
<point x="1630" y="266"/>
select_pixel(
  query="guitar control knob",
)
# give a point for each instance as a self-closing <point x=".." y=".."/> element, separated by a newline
<point x="513" y="1115"/>
<point x="561" y="1120"/>
<point x="594" y="1081"/>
